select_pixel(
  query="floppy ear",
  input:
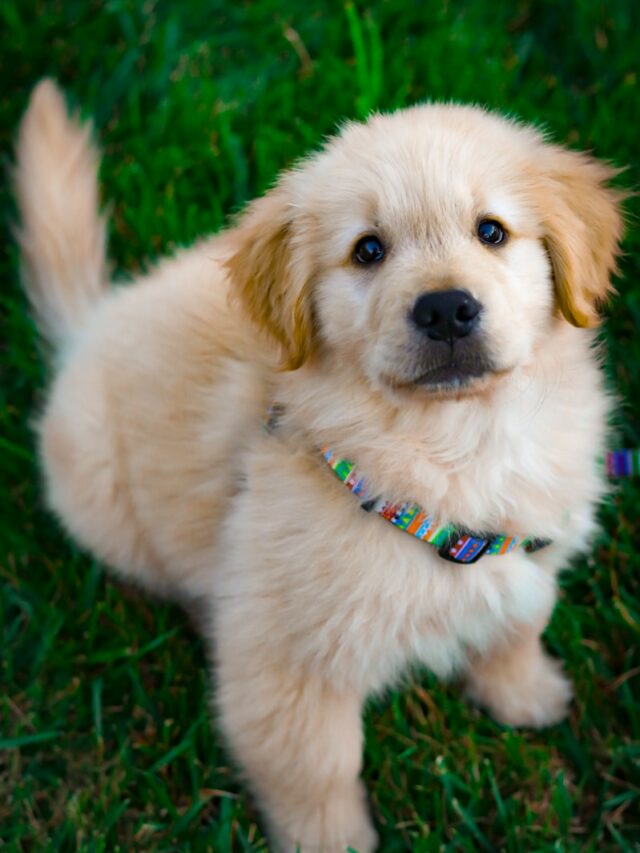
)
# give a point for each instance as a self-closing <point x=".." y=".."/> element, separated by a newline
<point x="583" y="228"/>
<point x="271" y="275"/>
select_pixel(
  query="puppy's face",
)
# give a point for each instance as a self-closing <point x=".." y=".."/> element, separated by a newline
<point x="435" y="248"/>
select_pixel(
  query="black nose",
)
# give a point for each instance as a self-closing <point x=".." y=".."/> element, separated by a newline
<point x="446" y="314"/>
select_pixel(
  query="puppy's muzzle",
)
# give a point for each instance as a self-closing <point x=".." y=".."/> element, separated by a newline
<point x="446" y="315"/>
<point x="451" y="350"/>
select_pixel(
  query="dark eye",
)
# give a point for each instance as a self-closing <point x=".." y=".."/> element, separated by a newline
<point x="491" y="232"/>
<point x="368" y="250"/>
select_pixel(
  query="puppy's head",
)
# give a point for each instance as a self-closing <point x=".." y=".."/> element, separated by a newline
<point x="434" y="248"/>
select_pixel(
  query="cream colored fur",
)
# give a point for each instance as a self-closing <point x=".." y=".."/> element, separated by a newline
<point x="156" y="460"/>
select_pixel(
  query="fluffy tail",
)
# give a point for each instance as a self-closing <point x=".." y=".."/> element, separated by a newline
<point x="62" y="235"/>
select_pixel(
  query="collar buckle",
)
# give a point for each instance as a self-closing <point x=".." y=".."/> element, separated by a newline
<point x="464" y="548"/>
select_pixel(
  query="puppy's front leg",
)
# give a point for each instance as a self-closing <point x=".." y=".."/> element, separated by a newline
<point x="300" y="744"/>
<point x="519" y="683"/>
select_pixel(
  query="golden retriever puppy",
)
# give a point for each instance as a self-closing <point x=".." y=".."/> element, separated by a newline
<point x="415" y="299"/>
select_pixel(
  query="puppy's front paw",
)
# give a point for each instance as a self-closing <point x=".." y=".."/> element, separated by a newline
<point x="534" y="694"/>
<point x="335" y="826"/>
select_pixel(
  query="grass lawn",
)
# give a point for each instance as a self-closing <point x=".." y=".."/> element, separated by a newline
<point x="105" y="740"/>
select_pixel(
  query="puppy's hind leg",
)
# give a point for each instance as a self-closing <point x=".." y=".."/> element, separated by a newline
<point x="86" y="474"/>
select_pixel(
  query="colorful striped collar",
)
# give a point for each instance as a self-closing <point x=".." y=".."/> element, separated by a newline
<point x="453" y="543"/>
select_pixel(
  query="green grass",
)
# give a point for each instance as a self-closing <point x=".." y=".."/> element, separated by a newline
<point x="105" y="741"/>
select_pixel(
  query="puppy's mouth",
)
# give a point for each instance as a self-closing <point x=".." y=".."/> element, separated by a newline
<point x="454" y="376"/>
